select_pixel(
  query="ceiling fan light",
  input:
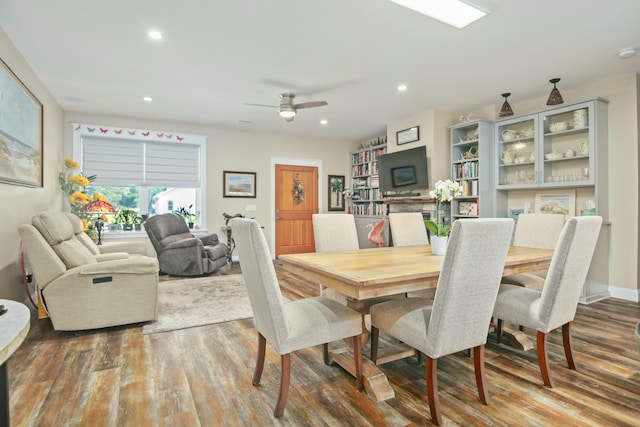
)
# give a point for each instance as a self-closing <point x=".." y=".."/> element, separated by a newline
<point x="287" y="112"/>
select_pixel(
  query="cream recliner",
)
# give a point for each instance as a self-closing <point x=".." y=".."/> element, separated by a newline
<point x="82" y="290"/>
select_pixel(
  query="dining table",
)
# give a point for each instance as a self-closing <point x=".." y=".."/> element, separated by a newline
<point x="386" y="271"/>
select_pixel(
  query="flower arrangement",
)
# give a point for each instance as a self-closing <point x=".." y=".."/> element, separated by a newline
<point x="297" y="191"/>
<point x="444" y="192"/>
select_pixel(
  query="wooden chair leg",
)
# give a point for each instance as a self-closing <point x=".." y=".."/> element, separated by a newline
<point x="257" y="373"/>
<point x="325" y="353"/>
<point x="478" y="364"/>
<point x="375" y="334"/>
<point x="499" y="331"/>
<point x="566" y="342"/>
<point x="543" y="360"/>
<point x="431" y="374"/>
<point x="357" y="355"/>
<point x="285" y="378"/>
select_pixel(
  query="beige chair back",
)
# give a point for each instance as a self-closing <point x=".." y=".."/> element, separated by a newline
<point x="538" y="230"/>
<point x="335" y="232"/>
<point x="408" y="229"/>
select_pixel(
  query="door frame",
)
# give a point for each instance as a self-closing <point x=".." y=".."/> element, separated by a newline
<point x="291" y="161"/>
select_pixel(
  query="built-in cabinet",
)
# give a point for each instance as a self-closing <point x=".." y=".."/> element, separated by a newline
<point x="366" y="198"/>
<point x="472" y="156"/>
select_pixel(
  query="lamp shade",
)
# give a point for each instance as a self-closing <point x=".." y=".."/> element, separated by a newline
<point x="506" y="110"/>
<point x="98" y="207"/>
<point x="554" y="97"/>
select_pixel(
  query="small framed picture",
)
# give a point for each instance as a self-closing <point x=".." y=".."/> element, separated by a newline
<point x="239" y="184"/>
<point x="336" y="192"/>
<point x="408" y="135"/>
<point x="556" y="202"/>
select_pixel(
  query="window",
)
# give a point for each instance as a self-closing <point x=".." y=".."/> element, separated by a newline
<point x="145" y="171"/>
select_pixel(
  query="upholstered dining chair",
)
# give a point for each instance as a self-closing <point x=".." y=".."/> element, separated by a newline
<point x="408" y="229"/>
<point x="459" y="316"/>
<point x="535" y="231"/>
<point x="292" y="326"/>
<point x="555" y="306"/>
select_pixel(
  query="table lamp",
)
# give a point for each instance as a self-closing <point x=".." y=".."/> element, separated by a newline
<point x="98" y="207"/>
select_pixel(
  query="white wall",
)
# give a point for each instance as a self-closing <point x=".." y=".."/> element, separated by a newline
<point x="20" y="203"/>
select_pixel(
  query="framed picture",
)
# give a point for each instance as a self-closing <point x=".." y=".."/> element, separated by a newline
<point x="403" y="176"/>
<point x="239" y="184"/>
<point x="556" y="202"/>
<point x="336" y="195"/>
<point x="20" y="132"/>
<point x="408" y="135"/>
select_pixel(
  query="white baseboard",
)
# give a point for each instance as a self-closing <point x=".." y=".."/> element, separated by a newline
<point x="625" y="293"/>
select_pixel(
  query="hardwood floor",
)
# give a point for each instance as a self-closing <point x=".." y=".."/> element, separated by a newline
<point x="202" y="377"/>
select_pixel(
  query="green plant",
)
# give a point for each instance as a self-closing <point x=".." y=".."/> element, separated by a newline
<point x="444" y="192"/>
<point x="189" y="217"/>
<point x="125" y="217"/>
<point x="140" y="219"/>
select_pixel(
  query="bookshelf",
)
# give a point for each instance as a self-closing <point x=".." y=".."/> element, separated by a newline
<point x="366" y="198"/>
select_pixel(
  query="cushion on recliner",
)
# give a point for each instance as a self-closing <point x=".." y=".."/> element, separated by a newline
<point x="57" y="230"/>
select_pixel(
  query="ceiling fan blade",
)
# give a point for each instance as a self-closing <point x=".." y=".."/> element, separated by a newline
<point x="310" y="104"/>
<point x="261" y="105"/>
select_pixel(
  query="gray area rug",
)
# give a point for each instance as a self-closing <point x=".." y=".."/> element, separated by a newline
<point x="186" y="303"/>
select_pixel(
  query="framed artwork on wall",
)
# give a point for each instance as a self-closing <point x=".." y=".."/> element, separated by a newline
<point x="239" y="184"/>
<point x="20" y="132"/>
<point x="336" y="195"/>
<point x="556" y="202"/>
<point x="408" y="135"/>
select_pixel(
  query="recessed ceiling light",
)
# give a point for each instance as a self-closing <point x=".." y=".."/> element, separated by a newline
<point x="74" y="99"/>
<point x="452" y="12"/>
<point x="147" y="99"/>
<point x="156" y="35"/>
<point x="402" y="88"/>
<point x="627" y="52"/>
<point x="323" y="122"/>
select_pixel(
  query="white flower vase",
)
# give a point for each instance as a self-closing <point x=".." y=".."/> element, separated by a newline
<point x="438" y="245"/>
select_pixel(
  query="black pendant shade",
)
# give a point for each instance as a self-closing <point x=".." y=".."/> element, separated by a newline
<point x="554" y="97"/>
<point x="506" y="110"/>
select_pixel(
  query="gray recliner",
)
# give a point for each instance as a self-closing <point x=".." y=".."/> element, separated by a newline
<point x="179" y="252"/>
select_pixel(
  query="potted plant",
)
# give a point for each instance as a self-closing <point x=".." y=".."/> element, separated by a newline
<point x="444" y="192"/>
<point x="189" y="217"/>
<point x="139" y="220"/>
<point x="126" y="217"/>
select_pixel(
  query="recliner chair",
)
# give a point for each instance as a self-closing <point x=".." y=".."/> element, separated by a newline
<point x="81" y="290"/>
<point x="179" y="252"/>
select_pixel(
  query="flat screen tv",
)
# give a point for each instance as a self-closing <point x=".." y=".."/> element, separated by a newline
<point x="403" y="171"/>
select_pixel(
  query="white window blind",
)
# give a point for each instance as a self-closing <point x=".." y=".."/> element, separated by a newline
<point x="122" y="162"/>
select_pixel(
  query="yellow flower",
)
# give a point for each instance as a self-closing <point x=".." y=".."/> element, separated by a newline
<point x="79" y="198"/>
<point x="100" y="197"/>
<point x="104" y="218"/>
<point x="85" y="224"/>
<point x="71" y="164"/>
<point x="78" y="179"/>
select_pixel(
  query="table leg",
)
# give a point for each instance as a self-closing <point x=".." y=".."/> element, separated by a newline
<point x="4" y="395"/>
<point x="376" y="383"/>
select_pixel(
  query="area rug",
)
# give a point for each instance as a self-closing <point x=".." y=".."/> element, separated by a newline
<point x="186" y="303"/>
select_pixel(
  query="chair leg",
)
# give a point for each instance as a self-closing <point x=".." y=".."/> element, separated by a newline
<point x="357" y="355"/>
<point x="375" y="334"/>
<point x="499" y="331"/>
<point x="431" y="374"/>
<point x="325" y="353"/>
<point x="478" y="364"/>
<point x="257" y="373"/>
<point x="285" y="378"/>
<point x="566" y="342"/>
<point x="543" y="360"/>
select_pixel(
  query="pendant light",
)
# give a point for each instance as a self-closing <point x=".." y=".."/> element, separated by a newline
<point x="554" y="97"/>
<point x="506" y="110"/>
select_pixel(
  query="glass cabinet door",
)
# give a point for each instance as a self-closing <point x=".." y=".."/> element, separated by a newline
<point x="517" y="152"/>
<point x="567" y="147"/>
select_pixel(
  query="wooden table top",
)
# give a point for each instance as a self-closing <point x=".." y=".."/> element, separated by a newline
<point x="370" y="273"/>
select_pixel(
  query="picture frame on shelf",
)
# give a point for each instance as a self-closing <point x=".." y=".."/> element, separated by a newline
<point x="556" y="201"/>
<point x="239" y="184"/>
<point x="21" y="137"/>
<point x="408" y="135"/>
<point x="336" y="192"/>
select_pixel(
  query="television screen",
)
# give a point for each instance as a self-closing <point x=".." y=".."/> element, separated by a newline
<point x="403" y="171"/>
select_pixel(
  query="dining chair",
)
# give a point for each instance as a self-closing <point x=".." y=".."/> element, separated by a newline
<point x="555" y="306"/>
<point x="292" y="326"/>
<point x="459" y="316"/>
<point x="408" y="229"/>
<point x="539" y="231"/>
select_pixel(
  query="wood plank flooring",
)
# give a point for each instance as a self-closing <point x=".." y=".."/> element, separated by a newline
<point x="202" y="377"/>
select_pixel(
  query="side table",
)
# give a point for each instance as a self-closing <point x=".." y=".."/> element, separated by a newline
<point x="14" y="327"/>
<point x="231" y="243"/>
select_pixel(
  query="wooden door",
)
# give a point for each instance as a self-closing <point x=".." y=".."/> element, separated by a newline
<point x="294" y="229"/>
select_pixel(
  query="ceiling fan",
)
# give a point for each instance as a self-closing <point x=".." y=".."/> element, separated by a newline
<point x="287" y="109"/>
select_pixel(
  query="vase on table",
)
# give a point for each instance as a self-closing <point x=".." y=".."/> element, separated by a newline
<point x="438" y="245"/>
